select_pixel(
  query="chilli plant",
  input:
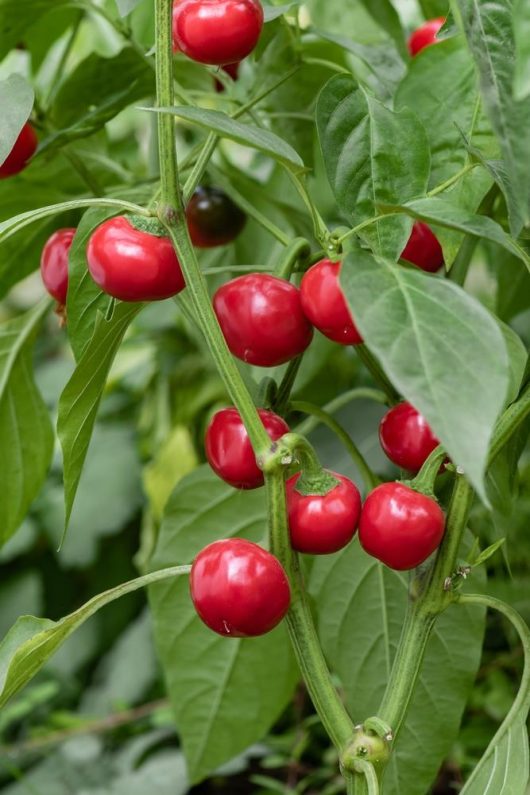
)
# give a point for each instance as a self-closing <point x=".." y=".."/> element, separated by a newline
<point x="304" y="184"/>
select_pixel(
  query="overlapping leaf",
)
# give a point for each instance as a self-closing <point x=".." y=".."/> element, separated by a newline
<point x="441" y="349"/>
<point x="25" y="428"/>
<point x="16" y="101"/>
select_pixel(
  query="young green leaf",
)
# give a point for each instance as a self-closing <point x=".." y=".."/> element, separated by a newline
<point x="489" y="28"/>
<point x="384" y="13"/>
<point x="225" y="694"/>
<point x="440" y="348"/>
<point x="16" y="101"/>
<point x="14" y="24"/>
<point x="32" y="641"/>
<point x="81" y="397"/>
<point x="25" y="427"/>
<point x="371" y="154"/>
<point x="245" y="134"/>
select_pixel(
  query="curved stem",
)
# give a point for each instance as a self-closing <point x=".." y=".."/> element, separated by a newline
<point x="509" y="422"/>
<point x="172" y="215"/>
<point x="451" y="181"/>
<point x="286" y="385"/>
<point x="370" y="777"/>
<point x="370" y="479"/>
<point x="377" y="372"/>
<point x="300" y="624"/>
<point x="358" y="393"/>
<point x="334" y="67"/>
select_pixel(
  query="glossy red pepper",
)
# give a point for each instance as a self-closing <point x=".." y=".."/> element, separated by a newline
<point x="324" y="304"/>
<point x="262" y="319"/>
<point x="216" y="31"/>
<point x="133" y="265"/>
<point x="228" y="447"/>
<point x="239" y="590"/>
<point x="213" y="218"/>
<point x="321" y="524"/>
<point x="399" y="526"/>
<point x="25" y="146"/>
<point x="425" y="35"/>
<point x="54" y="263"/>
<point x="406" y="437"/>
<point x="423" y="249"/>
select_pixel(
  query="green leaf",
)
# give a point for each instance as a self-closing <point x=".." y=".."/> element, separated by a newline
<point x="273" y="12"/>
<point x="96" y="91"/>
<point x="32" y="641"/>
<point x="80" y="399"/>
<point x="504" y="768"/>
<point x="513" y="284"/>
<point x="442" y="88"/>
<point x="490" y="33"/>
<point x="126" y="6"/>
<point x="226" y="693"/>
<point x="384" y="13"/>
<point x="13" y="23"/>
<point x="18" y="222"/>
<point x="444" y="213"/>
<point x="440" y="348"/>
<point x="360" y="612"/>
<point x="245" y="134"/>
<point x="521" y="28"/>
<point x="16" y="101"/>
<point x="382" y="65"/>
<point x="371" y="154"/>
<point x="25" y="429"/>
<point x="487" y="553"/>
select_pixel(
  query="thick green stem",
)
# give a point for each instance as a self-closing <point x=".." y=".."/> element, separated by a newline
<point x="300" y="624"/>
<point x="358" y="393"/>
<point x="171" y="214"/>
<point x="370" y="479"/>
<point x="432" y="598"/>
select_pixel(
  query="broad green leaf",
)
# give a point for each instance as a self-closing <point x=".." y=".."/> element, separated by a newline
<point x="441" y="87"/>
<point x="444" y="213"/>
<point x="382" y="65"/>
<point x="273" y="12"/>
<point x="16" y="101"/>
<point x="32" y="641"/>
<point x="97" y="90"/>
<point x="518" y="360"/>
<point x="81" y="397"/>
<point x="513" y="284"/>
<point x="504" y="768"/>
<point x="488" y="25"/>
<point x="521" y="29"/>
<point x="440" y="348"/>
<point x="26" y="432"/>
<point x="245" y="134"/>
<point x="13" y="23"/>
<point x="18" y="222"/>
<point x="360" y="612"/>
<point x="371" y="154"/>
<point x="226" y="693"/>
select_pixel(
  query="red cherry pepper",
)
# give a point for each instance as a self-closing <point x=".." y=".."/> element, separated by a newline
<point x="229" y="451"/>
<point x="238" y="589"/>
<point x="54" y="263"/>
<point x="322" y="524"/>
<point x="213" y="218"/>
<point x="406" y="437"/>
<point x="324" y="304"/>
<point x="133" y="265"/>
<point x="231" y="69"/>
<point x="262" y="319"/>
<point x="216" y="32"/>
<point x="425" y="35"/>
<point x="423" y="249"/>
<point x="25" y="146"/>
<point x="399" y="526"/>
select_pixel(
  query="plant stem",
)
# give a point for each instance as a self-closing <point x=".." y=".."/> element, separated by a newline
<point x="61" y="65"/>
<point x="460" y="266"/>
<point x="172" y="215"/>
<point x="286" y="385"/>
<point x="358" y="393"/>
<point x="377" y="372"/>
<point x="302" y="631"/>
<point x="88" y="178"/>
<point x="370" y="479"/>
<point x="451" y="181"/>
<point x="431" y="600"/>
<point x="509" y="422"/>
<point x="334" y="67"/>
